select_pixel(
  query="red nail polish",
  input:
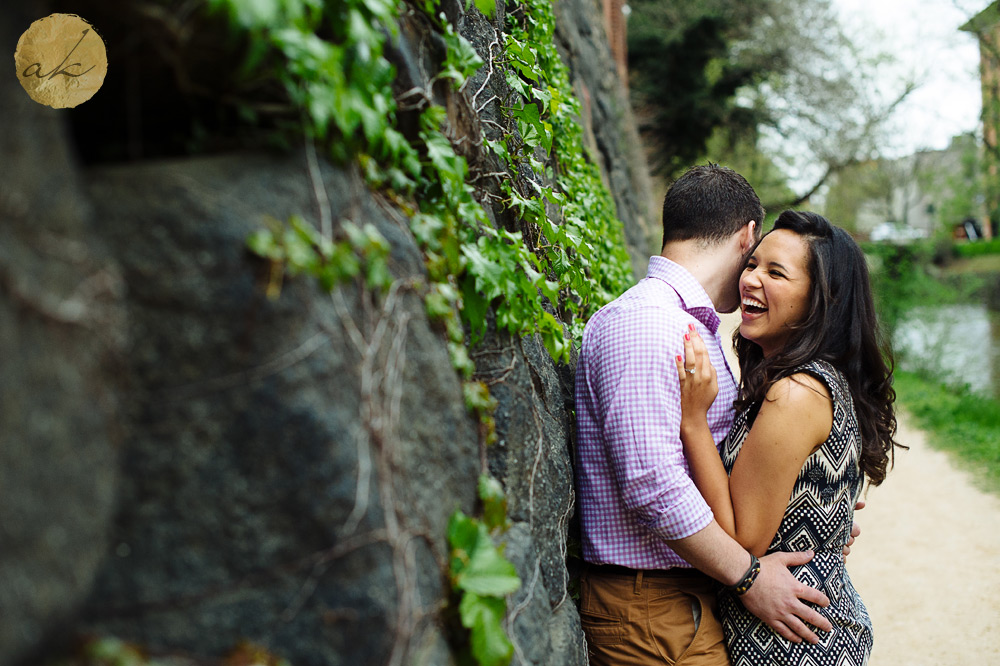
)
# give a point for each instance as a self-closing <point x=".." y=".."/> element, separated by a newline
<point x="687" y="336"/>
<point x="690" y="327"/>
<point x="678" y="357"/>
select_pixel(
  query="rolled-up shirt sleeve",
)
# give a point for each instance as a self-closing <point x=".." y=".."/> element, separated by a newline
<point x="637" y="379"/>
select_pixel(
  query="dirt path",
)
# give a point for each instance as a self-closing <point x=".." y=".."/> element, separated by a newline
<point x="928" y="563"/>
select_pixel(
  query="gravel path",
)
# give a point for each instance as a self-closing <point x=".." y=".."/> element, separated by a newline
<point x="927" y="564"/>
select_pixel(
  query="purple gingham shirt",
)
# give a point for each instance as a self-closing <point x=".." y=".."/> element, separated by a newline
<point x="633" y="483"/>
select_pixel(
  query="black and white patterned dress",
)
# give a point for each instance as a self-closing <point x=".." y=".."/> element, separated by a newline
<point x="818" y="518"/>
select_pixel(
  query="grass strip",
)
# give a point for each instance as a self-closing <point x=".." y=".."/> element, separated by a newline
<point x="956" y="420"/>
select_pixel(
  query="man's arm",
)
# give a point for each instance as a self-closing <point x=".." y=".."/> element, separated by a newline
<point x="776" y="597"/>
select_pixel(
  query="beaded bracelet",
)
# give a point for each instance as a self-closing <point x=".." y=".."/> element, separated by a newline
<point x="741" y="587"/>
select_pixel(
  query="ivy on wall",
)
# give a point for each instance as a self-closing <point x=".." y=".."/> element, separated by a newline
<point x="344" y="83"/>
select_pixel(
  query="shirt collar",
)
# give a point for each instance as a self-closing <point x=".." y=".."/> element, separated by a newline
<point x="694" y="298"/>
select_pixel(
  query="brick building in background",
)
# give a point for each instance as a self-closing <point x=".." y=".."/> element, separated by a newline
<point x="615" y="17"/>
<point x="986" y="26"/>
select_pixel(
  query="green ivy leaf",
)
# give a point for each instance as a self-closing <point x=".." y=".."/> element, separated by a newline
<point x="487" y="7"/>
<point x="460" y="360"/>
<point x="440" y="301"/>
<point x="474" y="308"/>
<point x="462" y="536"/>
<point x="344" y="263"/>
<point x="491" y="278"/>
<point x="478" y="398"/>
<point x="554" y="338"/>
<point x="517" y="83"/>
<point x="484" y="617"/>
<point x="263" y="243"/>
<point x="499" y="148"/>
<point x="300" y="254"/>
<point x="461" y="55"/>
<point x="377" y="275"/>
<point x="494" y="502"/>
<point x="488" y="572"/>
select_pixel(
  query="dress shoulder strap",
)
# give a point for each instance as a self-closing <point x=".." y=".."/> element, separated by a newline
<point x="835" y="381"/>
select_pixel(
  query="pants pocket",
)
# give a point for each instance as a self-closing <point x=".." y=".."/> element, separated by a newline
<point x="602" y="629"/>
<point x="709" y="639"/>
<point x="671" y="623"/>
<point x="679" y="637"/>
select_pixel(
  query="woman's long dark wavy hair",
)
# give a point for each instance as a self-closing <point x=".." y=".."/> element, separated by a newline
<point x="841" y="328"/>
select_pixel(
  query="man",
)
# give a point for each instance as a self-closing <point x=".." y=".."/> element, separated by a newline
<point x="644" y="524"/>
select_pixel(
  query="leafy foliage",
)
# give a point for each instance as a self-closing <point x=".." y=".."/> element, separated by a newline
<point x="958" y="186"/>
<point x="482" y="576"/>
<point x="584" y="250"/>
<point x="740" y="153"/>
<point x="872" y="181"/>
<point x="685" y="77"/>
<point x="947" y="184"/>
<point x="296" y="247"/>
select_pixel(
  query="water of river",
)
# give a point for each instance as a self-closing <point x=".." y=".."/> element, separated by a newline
<point x="959" y="343"/>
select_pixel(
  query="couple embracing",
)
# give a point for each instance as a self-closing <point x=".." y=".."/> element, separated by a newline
<point x="716" y="518"/>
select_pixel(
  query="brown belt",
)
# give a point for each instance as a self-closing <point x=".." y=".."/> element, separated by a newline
<point x="618" y="570"/>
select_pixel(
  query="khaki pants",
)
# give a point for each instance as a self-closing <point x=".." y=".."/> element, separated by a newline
<point x="651" y="618"/>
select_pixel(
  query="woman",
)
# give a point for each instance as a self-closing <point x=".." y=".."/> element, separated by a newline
<point x="815" y="419"/>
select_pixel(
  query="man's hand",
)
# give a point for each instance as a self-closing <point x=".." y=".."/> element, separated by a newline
<point x="855" y="530"/>
<point x="776" y="598"/>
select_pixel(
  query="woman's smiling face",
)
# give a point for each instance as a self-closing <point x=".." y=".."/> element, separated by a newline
<point x="774" y="290"/>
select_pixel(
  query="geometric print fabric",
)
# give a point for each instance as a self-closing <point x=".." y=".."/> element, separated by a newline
<point x="819" y="516"/>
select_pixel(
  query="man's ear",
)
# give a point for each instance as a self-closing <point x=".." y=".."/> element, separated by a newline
<point x="748" y="237"/>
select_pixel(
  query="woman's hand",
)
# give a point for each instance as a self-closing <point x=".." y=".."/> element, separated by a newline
<point x="699" y="385"/>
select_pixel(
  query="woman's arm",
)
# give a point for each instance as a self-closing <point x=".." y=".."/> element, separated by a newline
<point x="794" y="420"/>
<point x="698" y="391"/>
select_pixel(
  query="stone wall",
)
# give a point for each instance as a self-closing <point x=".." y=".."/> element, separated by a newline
<point x="188" y="463"/>
<point x="61" y="333"/>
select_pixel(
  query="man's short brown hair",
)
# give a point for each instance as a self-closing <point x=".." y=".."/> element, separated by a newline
<point x="710" y="203"/>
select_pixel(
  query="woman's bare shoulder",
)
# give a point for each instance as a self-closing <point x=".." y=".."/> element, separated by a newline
<point x="801" y="389"/>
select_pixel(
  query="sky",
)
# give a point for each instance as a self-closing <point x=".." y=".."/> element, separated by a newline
<point x="924" y="36"/>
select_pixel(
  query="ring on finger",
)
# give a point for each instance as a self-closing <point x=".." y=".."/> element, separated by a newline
<point x="690" y="371"/>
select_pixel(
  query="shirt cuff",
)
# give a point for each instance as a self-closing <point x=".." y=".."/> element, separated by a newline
<point x="687" y="515"/>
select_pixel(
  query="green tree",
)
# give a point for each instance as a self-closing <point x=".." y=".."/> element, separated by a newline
<point x="685" y="74"/>
<point x="778" y="75"/>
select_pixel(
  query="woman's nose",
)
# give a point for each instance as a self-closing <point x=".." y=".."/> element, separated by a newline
<point x="750" y="278"/>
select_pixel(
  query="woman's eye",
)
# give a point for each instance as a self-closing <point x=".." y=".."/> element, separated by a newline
<point x="750" y="267"/>
<point x="777" y="274"/>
